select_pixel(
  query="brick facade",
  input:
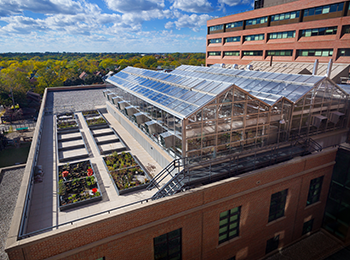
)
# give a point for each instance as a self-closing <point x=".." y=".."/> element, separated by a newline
<point x="335" y="42"/>
<point x="129" y="233"/>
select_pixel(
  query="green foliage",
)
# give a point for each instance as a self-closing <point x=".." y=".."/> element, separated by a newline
<point x="21" y="72"/>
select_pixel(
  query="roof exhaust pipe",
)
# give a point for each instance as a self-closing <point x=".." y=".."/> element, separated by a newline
<point x="314" y="71"/>
<point x="329" y="68"/>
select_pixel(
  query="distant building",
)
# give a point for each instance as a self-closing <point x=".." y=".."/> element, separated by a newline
<point x="300" y="31"/>
<point x="83" y="75"/>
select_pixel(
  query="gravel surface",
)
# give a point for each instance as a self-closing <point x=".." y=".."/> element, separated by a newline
<point x="75" y="100"/>
<point x="10" y="181"/>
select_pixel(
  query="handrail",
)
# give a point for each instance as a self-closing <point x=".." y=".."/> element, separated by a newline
<point x="79" y="219"/>
<point x="162" y="174"/>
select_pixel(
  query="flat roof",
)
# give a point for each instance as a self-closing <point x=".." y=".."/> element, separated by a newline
<point x="43" y="213"/>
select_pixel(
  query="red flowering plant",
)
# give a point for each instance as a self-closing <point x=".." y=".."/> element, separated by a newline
<point x="94" y="190"/>
<point x="90" y="172"/>
<point x="65" y="174"/>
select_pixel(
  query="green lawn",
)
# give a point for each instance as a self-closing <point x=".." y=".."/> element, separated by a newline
<point x="11" y="156"/>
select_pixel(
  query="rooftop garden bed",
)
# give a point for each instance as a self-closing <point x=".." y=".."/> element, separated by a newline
<point x="90" y="112"/>
<point x="126" y="173"/>
<point x="77" y="185"/>
<point x="66" y="121"/>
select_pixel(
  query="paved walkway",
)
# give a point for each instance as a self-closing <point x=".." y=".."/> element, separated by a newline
<point x="44" y="210"/>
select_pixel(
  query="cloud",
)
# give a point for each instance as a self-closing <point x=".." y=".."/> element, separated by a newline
<point x="169" y="25"/>
<point x="134" y="6"/>
<point x="222" y="3"/>
<point x="193" y="6"/>
<point x="193" y="21"/>
<point x="10" y="7"/>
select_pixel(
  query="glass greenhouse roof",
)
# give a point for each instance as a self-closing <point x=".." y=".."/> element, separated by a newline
<point x="187" y="88"/>
<point x="268" y="87"/>
<point x="180" y="95"/>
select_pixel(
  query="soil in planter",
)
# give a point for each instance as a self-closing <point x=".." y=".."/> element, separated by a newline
<point x="117" y="161"/>
<point x="77" y="190"/>
<point x="128" y="178"/>
<point x="76" y="170"/>
<point x="90" y="112"/>
<point x="66" y="124"/>
<point x="95" y="121"/>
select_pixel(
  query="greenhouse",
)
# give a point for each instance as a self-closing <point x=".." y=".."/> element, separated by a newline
<point x="209" y="111"/>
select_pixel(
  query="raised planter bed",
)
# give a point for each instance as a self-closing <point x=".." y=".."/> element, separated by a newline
<point x="77" y="185"/>
<point x="94" y="118"/>
<point x="66" y="122"/>
<point x="126" y="172"/>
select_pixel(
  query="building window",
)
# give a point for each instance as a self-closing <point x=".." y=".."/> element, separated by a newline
<point x="319" y="31"/>
<point x="285" y="16"/>
<point x="168" y="246"/>
<point x="214" y="53"/>
<point x="272" y="244"/>
<point x="231" y="53"/>
<point x="324" y="9"/>
<point x="252" y="53"/>
<point x="346" y="28"/>
<point x="314" y="190"/>
<point x="281" y="35"/>
<point x="229" y="224"/>
<point x="216" y="28"/>
<point x="257" y="37"/>
<point x="233" y="39"/>
<point x="344" y="52"/>
<point x="320" y="53"/>
<point x="307" y="227"/>
<point x="256" y="21"/>
<point x="277" y="205"/>
<point x="233" y="25"/>
<point x="101" y="258"/>
<point x="280" y="53"/>
<point x="217" y="40"/>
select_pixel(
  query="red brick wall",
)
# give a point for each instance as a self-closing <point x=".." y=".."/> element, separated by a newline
<point x="334" y="42"/>
<point x="129" y="235"/>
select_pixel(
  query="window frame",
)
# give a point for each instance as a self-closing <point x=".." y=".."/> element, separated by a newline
<point x="278" y="205"/>
<point x="315" y="190"/>
<point x="167" y="243"/>
<point x="233" y="219"/>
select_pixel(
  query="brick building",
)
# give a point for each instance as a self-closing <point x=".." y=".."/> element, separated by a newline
<point x="261" y="188"/>
<point x="294" y="31"/>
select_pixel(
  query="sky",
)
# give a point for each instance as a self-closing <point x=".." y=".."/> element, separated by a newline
<point x="144" y="26"/>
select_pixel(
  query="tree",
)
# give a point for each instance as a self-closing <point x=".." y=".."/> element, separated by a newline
<point x="148" y="61"/>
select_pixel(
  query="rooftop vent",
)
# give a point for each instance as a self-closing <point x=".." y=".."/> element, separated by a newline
<point x="335" y="117"/>
<point x="123" y="104"/>
<point x="319" y="121"/>
<point x="235" y="66"/>
<point x="167" y="139"/>
<point x="140" y="118"/>
<point x="130" y="110"/>
<point x="116" y="99"/>
<point x="152" y="127"/>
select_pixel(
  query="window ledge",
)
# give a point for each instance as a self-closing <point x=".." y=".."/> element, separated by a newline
<point x="276" y="220"/>
<point x="228" y="242"/>
<point x="313" y="204"/>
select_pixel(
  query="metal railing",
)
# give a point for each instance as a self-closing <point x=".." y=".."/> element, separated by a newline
<point x="13" y="127"/>
<point x="37" y="232"/>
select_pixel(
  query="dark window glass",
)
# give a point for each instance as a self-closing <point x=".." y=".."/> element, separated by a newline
<point x="319" y="31"/>
<point x="217" y="40"/>
<point x="168" y="246"/>
<point x="216" y="27"/>
<point x="233" y="39"/>
<point x="272" y="244"/>
<point x="314" y="190"/>
<point x="319" y="52"/>
<point x="307" y="227"/>
<point x="252" y="53"/>
<point x="231" y="53"/>
<point x="233" y="25"/>
<point x="256" y="37"/>
<point x="346" y="28"/>
<point x="280" y="53"/>
<point x="344" y="52"/>
<point x="214" y="53"/>
<point x="229" y="224"/>
<point x="277" y="205"/>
